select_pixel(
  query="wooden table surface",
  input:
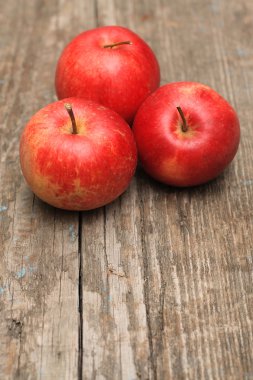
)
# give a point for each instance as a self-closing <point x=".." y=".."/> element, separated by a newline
<point x="157" y="285"/>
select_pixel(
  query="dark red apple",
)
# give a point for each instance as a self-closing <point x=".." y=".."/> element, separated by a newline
<point x="186" y="134"/>
<point x="77" y="155"/>
<point x="110" y="65"/>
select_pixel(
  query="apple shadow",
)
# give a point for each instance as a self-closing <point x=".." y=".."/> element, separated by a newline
<point x="144" y="181"/>
<point x="214" y="186"/>
<point x="50" y="211"/>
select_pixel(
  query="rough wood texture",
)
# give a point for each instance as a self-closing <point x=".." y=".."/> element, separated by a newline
<point x="157" y="285"/>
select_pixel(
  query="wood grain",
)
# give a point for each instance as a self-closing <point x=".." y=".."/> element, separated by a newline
<point x="158" y="284"/>
<point x="39" y="323"/>
<point x="191" y="260"/>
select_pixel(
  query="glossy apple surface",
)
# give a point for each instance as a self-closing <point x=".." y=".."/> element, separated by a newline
<point x="187" y="156"/>
<point x="78" y="171"/>
<point x="110" y="65"/>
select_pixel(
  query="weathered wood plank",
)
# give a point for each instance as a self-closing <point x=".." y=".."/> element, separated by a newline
<point x="194" y="246"/>
<point x="38" y="285"/>
<point x="39" y="298"/>
<point x="115" y="331"/>
<point x="115" y="326"/>
<point x="201" y="244"/>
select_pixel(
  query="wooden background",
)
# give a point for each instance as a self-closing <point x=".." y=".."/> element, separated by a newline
<point x="157" y="285"/>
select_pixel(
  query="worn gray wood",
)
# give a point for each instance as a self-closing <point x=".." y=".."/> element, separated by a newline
<point x="39" y="265"/>
<point x="157" y="285"/>
<point x="183" y="257"/>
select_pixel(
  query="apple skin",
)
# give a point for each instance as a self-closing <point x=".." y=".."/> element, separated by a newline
<point x="186" y="158"/>
<point x="77" y="171"/>
<point x="120" y="78"/>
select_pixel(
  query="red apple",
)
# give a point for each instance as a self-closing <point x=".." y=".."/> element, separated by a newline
<point x="186" y="134"/>
<point x="110" y="65"/>
<point x="77" y="155"/>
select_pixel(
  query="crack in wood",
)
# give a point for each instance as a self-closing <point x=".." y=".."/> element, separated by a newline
<point x="42" y="335"/>
<point x="80" y="299"/>
<point x="146" y="289"/>
<point x="160" y="325"/>
<point x="161" y="307"/>
<point x="106" y="262"/>
<point x="96" y="13"/>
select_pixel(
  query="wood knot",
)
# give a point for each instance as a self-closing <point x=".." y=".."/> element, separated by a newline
<point x="15" y="328"/>
<point x="112" y="270"/>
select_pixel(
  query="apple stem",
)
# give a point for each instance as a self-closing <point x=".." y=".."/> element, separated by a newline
<point x="69" y="109"/>
<point x="184" y="126"/>
<point x="118" y="44"/>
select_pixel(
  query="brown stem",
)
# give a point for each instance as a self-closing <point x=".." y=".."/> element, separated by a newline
<point x="69" y="109"/>
<point x="184" y="126"/>
<point x="118" y="44"/>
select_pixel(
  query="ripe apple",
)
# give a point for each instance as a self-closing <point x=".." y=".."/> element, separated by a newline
<point x="186" y="134"/>
<point x="110" y="65"/>
<point x="76" y="154"/>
